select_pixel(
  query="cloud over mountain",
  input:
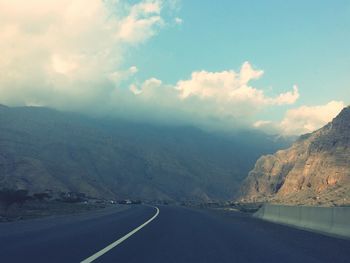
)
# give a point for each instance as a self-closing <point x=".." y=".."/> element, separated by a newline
<point x="61" y="53"/>
<point x="223" y="99"/>
<point x="72" y="55"/>
<point x="303" y="119"/>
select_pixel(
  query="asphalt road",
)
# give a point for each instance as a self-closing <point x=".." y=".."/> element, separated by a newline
<point x="177" y="234"/>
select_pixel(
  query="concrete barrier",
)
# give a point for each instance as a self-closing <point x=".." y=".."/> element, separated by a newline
<point x="327" y="220"/>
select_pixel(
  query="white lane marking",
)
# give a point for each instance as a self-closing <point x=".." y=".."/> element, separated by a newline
<point x="120" y="240"/>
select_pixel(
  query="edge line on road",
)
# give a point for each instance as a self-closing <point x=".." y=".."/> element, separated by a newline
<point x="120" y="240"/>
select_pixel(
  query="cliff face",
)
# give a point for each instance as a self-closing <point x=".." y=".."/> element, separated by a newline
<point x="314" y="171"/>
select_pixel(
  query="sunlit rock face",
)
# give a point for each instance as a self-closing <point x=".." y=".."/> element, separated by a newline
<point x="315" y="170"/>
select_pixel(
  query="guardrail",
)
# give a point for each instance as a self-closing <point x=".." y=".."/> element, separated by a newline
<point x="328" y="220"/>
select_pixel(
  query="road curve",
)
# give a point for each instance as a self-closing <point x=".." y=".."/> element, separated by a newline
<point x="120" y="240"/>
<point x="178" y="234"/>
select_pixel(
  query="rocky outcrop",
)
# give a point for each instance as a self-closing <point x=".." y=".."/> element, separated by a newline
<point x="314" y="171"/>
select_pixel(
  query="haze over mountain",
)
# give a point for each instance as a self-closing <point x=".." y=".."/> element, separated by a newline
<point x="46" y="149"/>
<point x="315" y="170"/>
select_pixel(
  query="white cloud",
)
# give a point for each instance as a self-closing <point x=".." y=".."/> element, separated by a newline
<point x="68" y="53"/>
<point x="178" y="20"/>
<point x="306" y="119"/>
<point x="147" y="88"/>
<point x="224" y="100"/>
<point x="261" y="123"/>
<point x="63" y="65"/>
<point x="287" y="98"/>
<point x="230" y="87"/>
<point x="118" y="76"/>
<point x="141" y="23"/>
<point x="302" y="120"/>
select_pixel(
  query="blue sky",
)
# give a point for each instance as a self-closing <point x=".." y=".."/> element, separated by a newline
<point x="295" y="42"/>
<point x="278" y="66"/>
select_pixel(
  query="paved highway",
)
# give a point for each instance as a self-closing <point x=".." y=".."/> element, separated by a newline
<point x="176" y="234"/>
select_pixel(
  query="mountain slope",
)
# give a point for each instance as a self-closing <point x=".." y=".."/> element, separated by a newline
<point x="43" y="149"/>
<point x="315" y="170"/>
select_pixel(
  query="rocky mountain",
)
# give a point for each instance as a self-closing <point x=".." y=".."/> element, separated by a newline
<point x="43" y="149"/>
<point x="315" y="170"/>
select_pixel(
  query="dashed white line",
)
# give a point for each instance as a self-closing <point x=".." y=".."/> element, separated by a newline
<point x="120" y="240"/>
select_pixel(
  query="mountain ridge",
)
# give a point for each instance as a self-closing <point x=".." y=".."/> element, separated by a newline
<point x="42" y="148"/>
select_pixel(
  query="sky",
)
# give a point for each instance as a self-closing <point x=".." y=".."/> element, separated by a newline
<point x="277" y="66"/>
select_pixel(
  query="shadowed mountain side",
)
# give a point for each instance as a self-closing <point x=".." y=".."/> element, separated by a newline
<point x="43" y="149"/>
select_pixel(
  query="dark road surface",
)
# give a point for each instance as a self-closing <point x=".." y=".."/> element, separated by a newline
<point x="178" y="234"/>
